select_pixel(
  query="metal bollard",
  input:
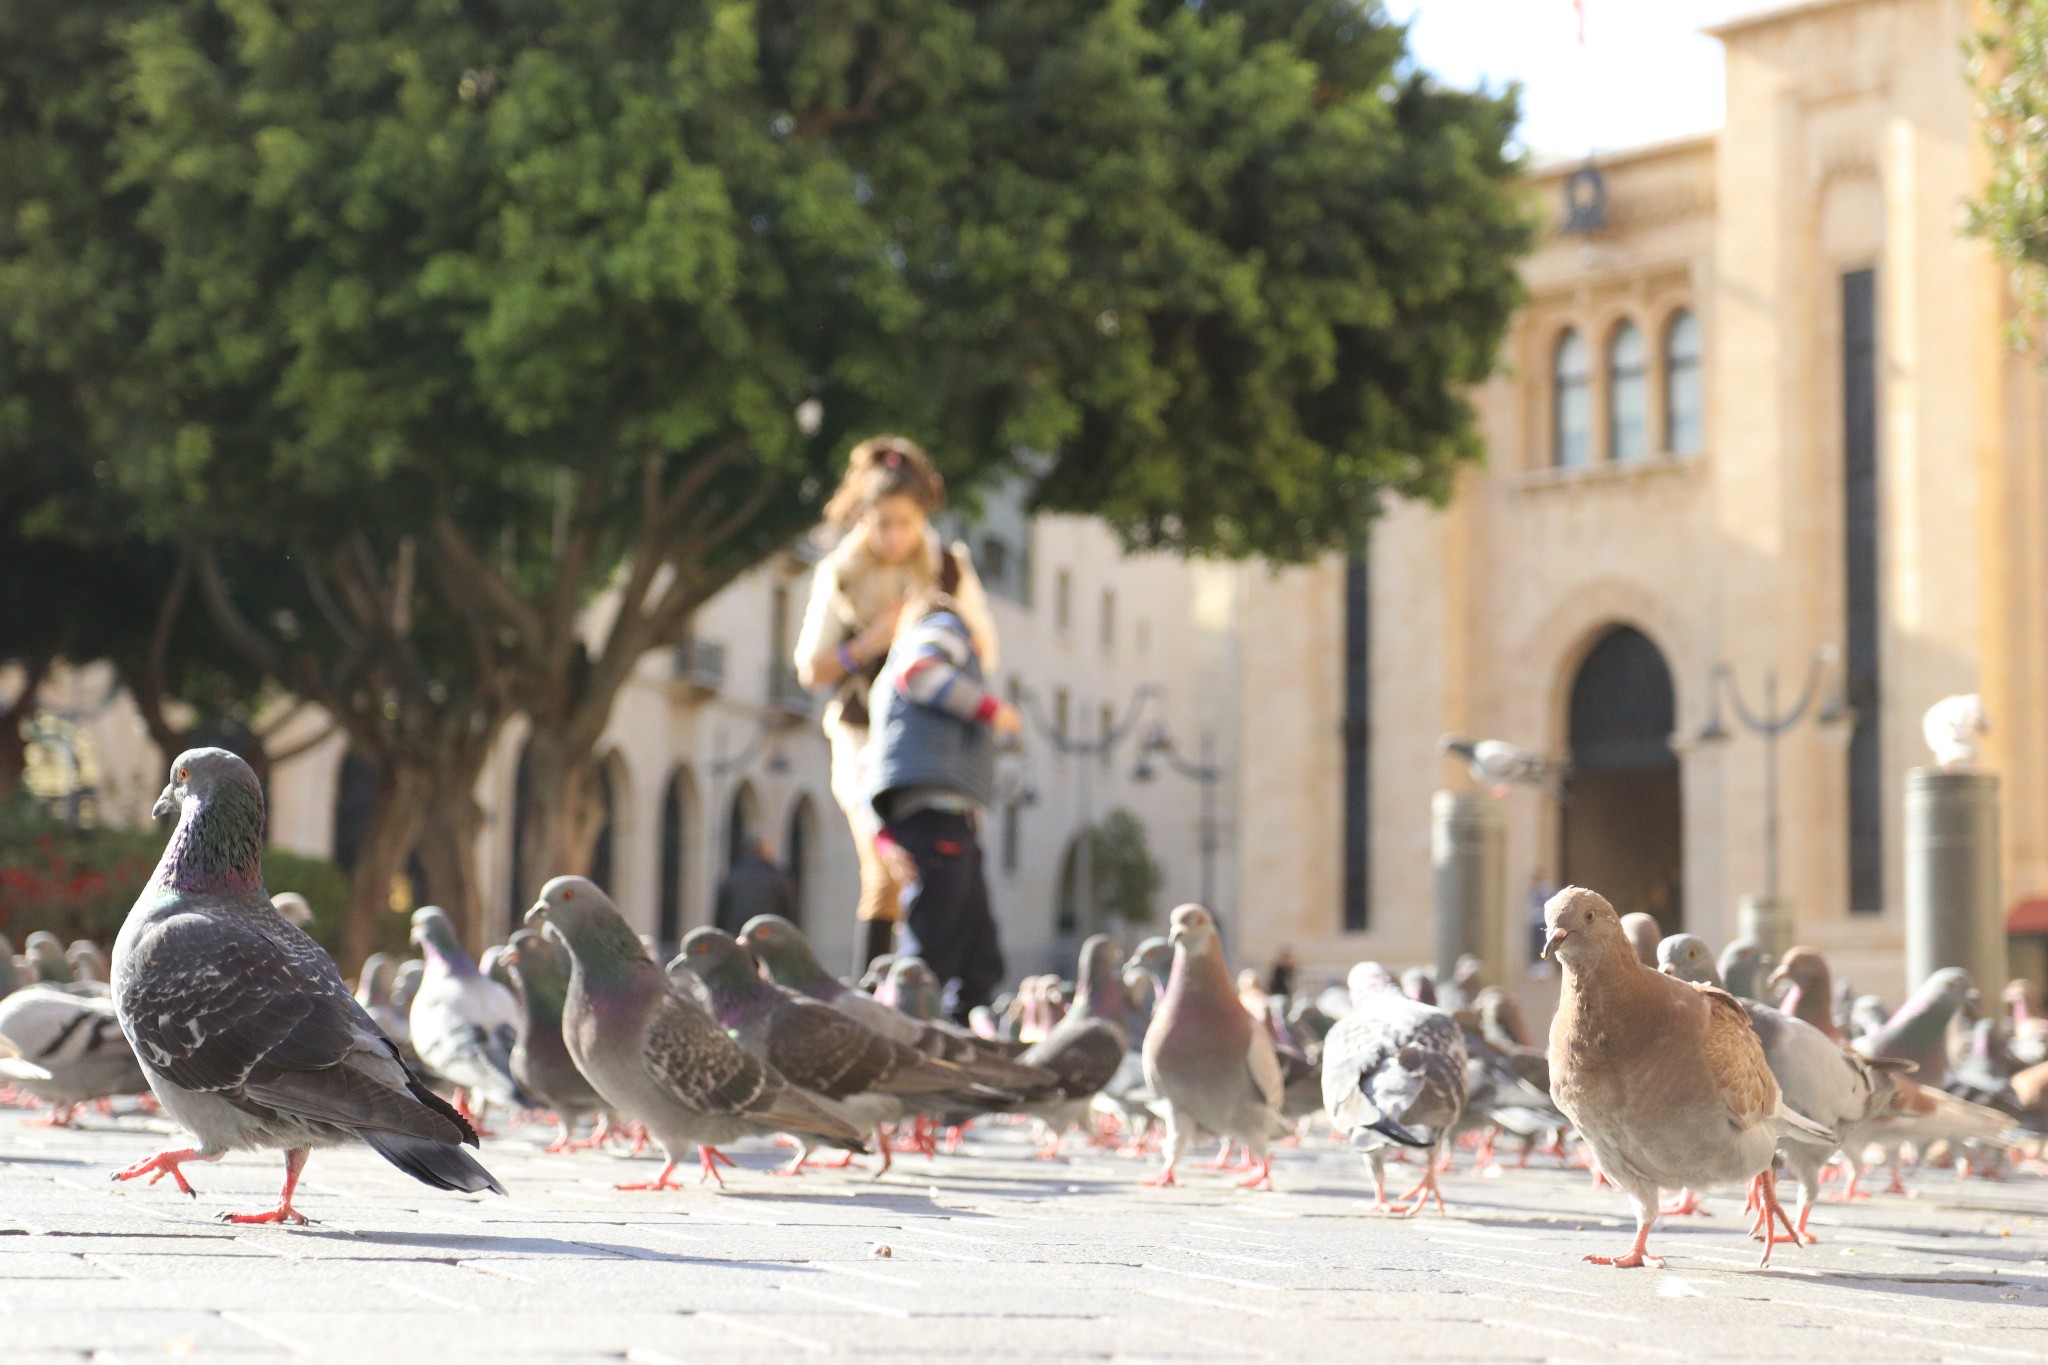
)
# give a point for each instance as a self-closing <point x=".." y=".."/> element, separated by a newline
<point x="1468" y="855"/>
<point x="1766" y="923"/>
<point x="1954" y="915"/>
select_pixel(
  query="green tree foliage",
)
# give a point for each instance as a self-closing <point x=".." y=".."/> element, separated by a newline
<point x="449" y="316"/>
<point x="2009" y="67"/>
<point x="1127" y="879"/>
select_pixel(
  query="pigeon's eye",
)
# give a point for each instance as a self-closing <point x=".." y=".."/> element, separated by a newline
<point x="568" y="895"/>
<point x="184" y="774"/>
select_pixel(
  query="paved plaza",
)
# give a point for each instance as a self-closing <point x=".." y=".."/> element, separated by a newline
<point x="987" y="1254"/>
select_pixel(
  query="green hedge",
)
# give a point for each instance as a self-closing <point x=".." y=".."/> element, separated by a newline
<point x="80" y="883"/>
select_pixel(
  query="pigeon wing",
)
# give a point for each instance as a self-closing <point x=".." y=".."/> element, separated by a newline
<point x="1735" y="1059"/>
<point x="698" y="1063"/>
<point x="826" y="1052"/>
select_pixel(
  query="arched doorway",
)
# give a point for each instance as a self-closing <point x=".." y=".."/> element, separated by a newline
<point x="678" y="821"/>
<point x="1622" y="831"/>
<point x="1068" y="910"/>
<point x="797" y="846"/>
<point x="604" y="853"/>
<point x="741" y="818"/>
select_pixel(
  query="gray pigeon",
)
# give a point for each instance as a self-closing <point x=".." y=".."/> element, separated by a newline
<point x="1394" y="1074"/>
<point x="463" y="1023"/>
<point x="1208" y="1061"/>
<point x="784" y="953"/>
<point x="1745" y="967"/>
<point x="1085" y="1049"/>
<point x="842" y="1065"/>
<point x="46" y="959"/>
<point x="1644" y="933"/>
<point x="1867" y="1016"/>
<point x="1687" y="957"/>
<point x="652" y="1055"/>
<point x="88" y="961"/>
<point x="1497" y="765"/>
<point x="540" y="1058"/>
<point x="373" y="993"/>
<point x="76" y="1040"/>
<point x="241" y="1022"/>
<point x="297" y="911"/>
<point x="405" y="984"/>
<point x="1919" y="1031"/>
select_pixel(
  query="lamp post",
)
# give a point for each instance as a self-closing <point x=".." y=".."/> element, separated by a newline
<point x="1159" y="744"/>
<point x="1765" y="920"/>
<point x="1100" y="747"/>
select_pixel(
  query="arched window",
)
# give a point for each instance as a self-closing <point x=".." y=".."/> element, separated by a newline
<point x="1628" y="395"/>
<point x="678" y="818"/>
<point x="1684" y="394"/>
<point x="1571" y="403"/>
<point x="797" y="846"/>
<point x="604" y="853"/>
<point x="742" y="818"/>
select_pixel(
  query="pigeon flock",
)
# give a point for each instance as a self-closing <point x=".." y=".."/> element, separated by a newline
<point x="1668" y="1069"/>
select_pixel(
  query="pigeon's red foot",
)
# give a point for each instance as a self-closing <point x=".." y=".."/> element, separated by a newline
<point x="165" y="1164"/>
<point x="664" y="1181"/>
<point x="1764" y="1187"/>
<point x="1425" y="1190"/>
<point x="1261" y="1177"/>
<point x="1635" y="1257"/>
<point x="1049" y="1150"/>
<point x="708" y="1158"/>
<point x="1225" y="1160"/>
<point x="294" y="1163"/>
<point x="1687" y="1203"/>
<point x="60" y="1116"/>
<point x="1164" y="1179"/>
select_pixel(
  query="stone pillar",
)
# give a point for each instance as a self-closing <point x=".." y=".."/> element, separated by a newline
<point x="1766" y="923"/>
<point x="1954" y="908"/>
<point x="1468" y="855"/>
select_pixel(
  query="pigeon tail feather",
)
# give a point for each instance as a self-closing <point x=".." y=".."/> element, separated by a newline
<point x="1788" y="1122"/>
<point x="443" y="1165"/>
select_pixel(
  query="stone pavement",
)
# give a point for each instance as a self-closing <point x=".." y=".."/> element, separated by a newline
<point x="990" y="1255"/>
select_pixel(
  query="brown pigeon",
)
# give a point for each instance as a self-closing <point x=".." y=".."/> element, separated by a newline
<point x="1665" y="1079"/>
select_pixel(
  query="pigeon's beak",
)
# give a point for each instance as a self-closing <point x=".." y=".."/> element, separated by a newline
<point x="167" y="804"/>
<point x="1550" y="944"/>
<point x="537" y="917"/>
<point x="1776" y="976"/>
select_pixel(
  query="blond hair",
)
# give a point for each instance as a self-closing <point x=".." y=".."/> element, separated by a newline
<point x="883" y="467"/>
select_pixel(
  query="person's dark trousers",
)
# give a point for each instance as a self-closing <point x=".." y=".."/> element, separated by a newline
<point x="946" y="919"/>
<point x="876" y="938"/>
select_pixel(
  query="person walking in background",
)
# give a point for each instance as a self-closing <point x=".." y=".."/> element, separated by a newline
<point x="754" y="885"/>
<point x="889" y="552"/>
<point x="932" y="771"/>
<point x="1280" y="977"/>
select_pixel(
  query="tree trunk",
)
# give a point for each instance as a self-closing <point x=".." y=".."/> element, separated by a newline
<point x="14" y="748"/>
<point x="403" y="795"/>
<point x="563" y="810"/>
<point x="447" y="851"/>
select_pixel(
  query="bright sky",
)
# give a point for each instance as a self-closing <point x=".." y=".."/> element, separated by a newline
<point x="1645" y="73"/>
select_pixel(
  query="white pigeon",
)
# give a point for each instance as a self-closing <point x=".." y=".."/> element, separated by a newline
<point x="1394" y="1074"/>
<point x="463" y="1023"/>
<point x="1500" y="765"/>
<point x="1952" y="727"/>
<point x="75" y="1043"/>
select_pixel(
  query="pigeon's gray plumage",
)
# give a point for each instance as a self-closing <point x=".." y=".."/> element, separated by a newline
<point x="77" y="1041"/>
<point x="1687" y="957"/>
<point x="295" y="908"/>
<point x="651" y="1054"/>
<point x="1744" y="968"/>
<point x="1918" y="1033"/>
<point x="1211" y="1065"/>
<point x="463" y="1023"/>
<point x="241" y="1022"/>
<point x="88" y="961"/>
<point x="541" y="1063"/>
<point x="1497" y="765"/>
<point x="1085" y="1049"/>
<point x="1394" y="1075"/>
<point x="46" y="959"/>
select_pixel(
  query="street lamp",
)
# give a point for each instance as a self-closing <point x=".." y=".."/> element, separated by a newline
<point x="1769" y="724"/>
<point x="1158" y="743"/>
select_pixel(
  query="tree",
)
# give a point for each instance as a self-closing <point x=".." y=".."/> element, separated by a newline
<point x="2009" y="67"/>
<point x="517" y="333"/>
<point x="1127" y="879"/>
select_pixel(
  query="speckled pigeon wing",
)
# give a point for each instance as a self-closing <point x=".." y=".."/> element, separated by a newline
<point x="697" y="1062"/>
<point x="1083" y="1057"/>
<point x="827" y="1053"/>
<point x="1735" y="1059"/>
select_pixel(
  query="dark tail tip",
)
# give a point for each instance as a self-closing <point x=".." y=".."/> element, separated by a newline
<point x="444" y="1165"/>
<point x="1387" y="1127"/>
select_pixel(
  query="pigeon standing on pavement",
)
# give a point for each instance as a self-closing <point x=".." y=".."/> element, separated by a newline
<point x="1085" y="1049"/>
<point x="1666" y="1080"/>
<point x="1744" y="967"/>
<point x="651" y="1054"/>
<point x="1809" y="990"/>
<point x="1919" y="1031"/>
<point x="1498" y="765"/>
<point x="463" y="1023"/>
<point x="76" y="1041"/>
<point x="241" y="1022"/>
<point x="1210" y="1063"/>
<point x="540" y="1058"/>
<point x="1394" y="1074"/>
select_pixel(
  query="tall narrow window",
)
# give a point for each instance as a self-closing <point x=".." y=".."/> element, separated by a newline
<point x="1357" y="748"/>
<point x="677" y="816"/>
<point x="1684" y="394"/>
<point x="1860" y="587"/>
<point x="1063" y="600"/>
<point x="1108" y="619"/>
<point x="1628" y="396"/>
<point x="1571" y="403"/>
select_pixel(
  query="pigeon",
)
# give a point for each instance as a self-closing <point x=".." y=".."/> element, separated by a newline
<point x="1502" y="1030"/>
<point x="1666" y="1080"/>
<point x="1145" y="973"/>
<point x="1085" y="1048"/>
<point x="1464" y="985"/>
<point x="2028" y="1024"/>
<point x="16" y="1069"/>
<point x="295" y="909"/>
<point x="1744" y="966"/>
<point x="463" y="1023"/>
<point x="1417" y="983"/>
<point x="46" y="959"/>
<point x="540" y="1059"/>
<point x="911" y="986"/>
<point x="76" y="1042"/>
<point x="1827" y="1083"/>
<point x="1210" y="1064"/>
<point x="1644" y="934"/>
<point x="373" y="993"/>
<point x="405" y="985"/>
<point x="88" y="961"/>
<point x="1868" y="1015"/>
<point x="1687" y="957"/>
<point x="1394" y="1074"/>
<point x="1808" y="990"/>
<point x="841" y="1065"/>
<point x="242" y="1023"/>
<point x="1952" y="728"/>
<point x="651" y="1054"/>
<point x="1919" y="1031"/>
<point x="1498" y="765"/>
<point x="10" y="980"/>
<point x="784" y="953"/>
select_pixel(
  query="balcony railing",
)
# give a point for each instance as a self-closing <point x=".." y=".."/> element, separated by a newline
<point x="700" y="665"/>
<point x="786" y="694"/>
